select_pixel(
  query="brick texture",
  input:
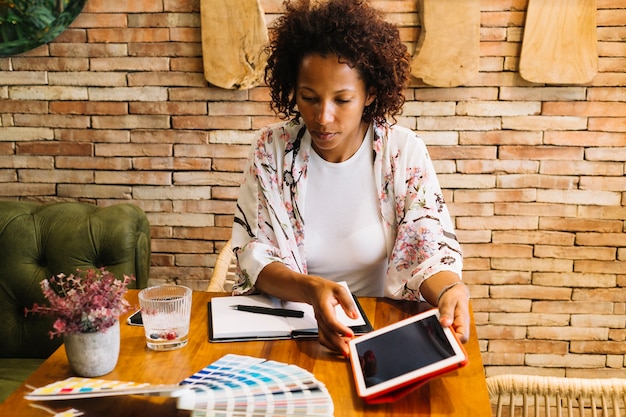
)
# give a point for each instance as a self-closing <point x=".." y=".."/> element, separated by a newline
<point x="117" y="109"/>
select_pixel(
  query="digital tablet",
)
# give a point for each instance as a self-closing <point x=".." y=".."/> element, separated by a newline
<point x="390" y="362"/>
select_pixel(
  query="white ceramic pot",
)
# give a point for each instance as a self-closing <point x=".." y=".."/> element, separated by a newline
<point x="93" y="354"/>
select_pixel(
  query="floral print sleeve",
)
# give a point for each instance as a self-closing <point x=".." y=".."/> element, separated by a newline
<point x="268" y="226"/>
<point x="268" y="223"/>
<point x="414" y="211"/>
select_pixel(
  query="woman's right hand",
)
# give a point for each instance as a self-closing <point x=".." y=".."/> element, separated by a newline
<point x="326" y="295"/>
<point x="277" y="280"/>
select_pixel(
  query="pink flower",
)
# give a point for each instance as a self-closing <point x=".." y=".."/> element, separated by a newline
<point x="90" y="301"/>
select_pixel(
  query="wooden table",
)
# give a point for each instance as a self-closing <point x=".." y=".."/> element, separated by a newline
<point x="460" y="393"/>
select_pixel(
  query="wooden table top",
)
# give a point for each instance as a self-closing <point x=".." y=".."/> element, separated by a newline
<point x="460" y="393"/>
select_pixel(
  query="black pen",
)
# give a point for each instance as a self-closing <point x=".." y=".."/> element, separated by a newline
<point x="282" y="312"/>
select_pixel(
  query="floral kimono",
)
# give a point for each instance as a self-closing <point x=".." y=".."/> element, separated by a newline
<point x="269" y="220"/>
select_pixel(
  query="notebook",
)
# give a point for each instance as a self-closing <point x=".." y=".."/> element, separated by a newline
<point x="228" y="324"/>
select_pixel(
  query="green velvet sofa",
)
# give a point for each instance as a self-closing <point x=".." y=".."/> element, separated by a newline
<point x="38" y="241"/>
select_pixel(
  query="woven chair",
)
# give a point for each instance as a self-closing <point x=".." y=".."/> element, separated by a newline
<point x="528" y="395"/>
<point x="224" y="272"/>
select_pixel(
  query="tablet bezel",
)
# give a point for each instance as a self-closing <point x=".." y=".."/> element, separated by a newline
<point x="412" y="377"/>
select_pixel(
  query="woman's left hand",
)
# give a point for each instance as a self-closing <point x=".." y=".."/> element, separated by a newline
<point x="454" y="311"/>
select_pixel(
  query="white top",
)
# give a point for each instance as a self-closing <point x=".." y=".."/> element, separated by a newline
<point x="344" y="229"/>
<point x="269" y="223"/>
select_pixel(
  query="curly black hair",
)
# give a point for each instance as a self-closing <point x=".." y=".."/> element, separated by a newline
<point x="351" y="29"/>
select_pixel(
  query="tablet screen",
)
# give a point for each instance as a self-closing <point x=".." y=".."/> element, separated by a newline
<point x="404" y="352"/>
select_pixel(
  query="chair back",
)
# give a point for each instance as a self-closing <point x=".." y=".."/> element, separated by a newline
<point x="530" y="395"/>
<point x="225" y="270"/>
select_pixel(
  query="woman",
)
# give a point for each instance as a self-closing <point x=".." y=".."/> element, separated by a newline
<point x="338" y="193"/>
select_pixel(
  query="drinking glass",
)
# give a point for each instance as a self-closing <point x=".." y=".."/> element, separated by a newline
<point x="165" y="311"/>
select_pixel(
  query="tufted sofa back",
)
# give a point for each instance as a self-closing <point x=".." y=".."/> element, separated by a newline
<point x="38" y="241"/>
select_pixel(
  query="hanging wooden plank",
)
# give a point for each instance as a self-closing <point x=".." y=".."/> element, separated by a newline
<point x="234" y="36"/>
<point x="448" y="49"/>
<point x="560" y="43"/>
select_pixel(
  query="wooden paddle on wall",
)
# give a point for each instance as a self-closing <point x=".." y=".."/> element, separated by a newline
<point x="560" y="44"/>
<point x="448" y="49"/>
<point x="234" y="35"/>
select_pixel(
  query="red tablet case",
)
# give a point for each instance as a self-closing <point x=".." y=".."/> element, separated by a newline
<point x="396" y="392"/>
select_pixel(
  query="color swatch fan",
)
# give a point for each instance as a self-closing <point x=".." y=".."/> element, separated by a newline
<point x="78" y="388"/>
<point x="246" y="386"/>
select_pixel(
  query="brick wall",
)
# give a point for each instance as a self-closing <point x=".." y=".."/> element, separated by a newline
<point x="117" y="109"/>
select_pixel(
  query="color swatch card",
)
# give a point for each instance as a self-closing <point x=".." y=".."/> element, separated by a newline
<point x="246" y="386"/>
<point x="75" y="388"/>
<point x="234" y="385"/>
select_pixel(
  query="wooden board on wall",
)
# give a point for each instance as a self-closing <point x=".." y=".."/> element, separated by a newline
<point x="234" y="36"/>
<point x="448" y="49"/>
<point x="560" y="43"/>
